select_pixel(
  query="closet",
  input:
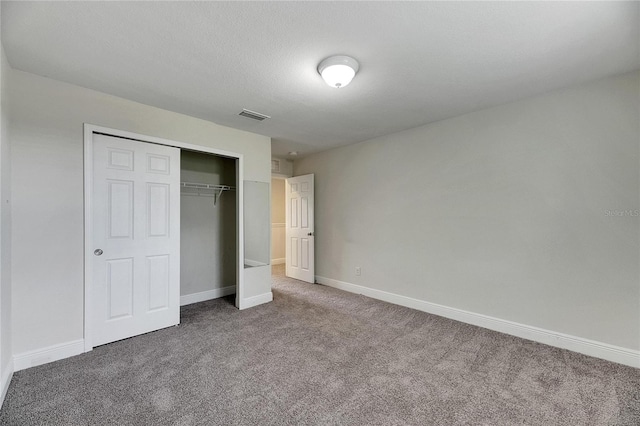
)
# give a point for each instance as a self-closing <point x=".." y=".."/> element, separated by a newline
<point x="208" y="250"/>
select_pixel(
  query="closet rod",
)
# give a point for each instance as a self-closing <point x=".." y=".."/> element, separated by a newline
<point x="206" y="186"/>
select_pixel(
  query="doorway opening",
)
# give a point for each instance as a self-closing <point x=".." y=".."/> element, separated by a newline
<point x="208" y="253"/>
<point x="293" y="227"/>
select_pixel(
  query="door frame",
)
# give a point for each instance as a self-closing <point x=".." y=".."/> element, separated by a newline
<point x="89" y="131"/>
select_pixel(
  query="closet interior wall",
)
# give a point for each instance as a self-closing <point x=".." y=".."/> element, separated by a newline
<point x="208" y="226"/>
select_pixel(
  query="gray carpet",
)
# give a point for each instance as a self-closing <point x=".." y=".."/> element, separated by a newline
<point x="317" y="355"/>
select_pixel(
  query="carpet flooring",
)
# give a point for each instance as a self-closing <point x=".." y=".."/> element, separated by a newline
<point x="319" y="356"/>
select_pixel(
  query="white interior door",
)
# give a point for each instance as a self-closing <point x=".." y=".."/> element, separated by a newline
<point x="136" y="235"/>
<point x="299" y="232"/>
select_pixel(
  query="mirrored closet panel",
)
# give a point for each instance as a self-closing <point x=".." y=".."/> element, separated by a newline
<point x="257" y="224"/>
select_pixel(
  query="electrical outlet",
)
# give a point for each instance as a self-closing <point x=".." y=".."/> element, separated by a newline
<point x="358" y="271"/>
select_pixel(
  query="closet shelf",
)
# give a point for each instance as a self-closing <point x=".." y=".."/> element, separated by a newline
<point x="205" y="190"/>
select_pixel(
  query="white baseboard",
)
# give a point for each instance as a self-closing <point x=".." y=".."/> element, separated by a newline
<point x="5" y="380"/>
<point x="48" y="354"/>
<point x="253" y="263"/>
<point x="560" y="340"/>
<point x="278" y="261"/>
<point x="207" y="295"/>
<point x="250" y="302"/>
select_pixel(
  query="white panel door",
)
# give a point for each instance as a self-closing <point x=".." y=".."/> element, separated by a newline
<point x="300" y="237"/>
<point x="136" y="236"/>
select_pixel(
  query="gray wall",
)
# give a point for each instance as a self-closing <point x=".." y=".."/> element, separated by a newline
<point x="207" y="231"/>
<point x="5" y="224"/>
<point x="47" y="119"/>
<point x="505" y="212"/>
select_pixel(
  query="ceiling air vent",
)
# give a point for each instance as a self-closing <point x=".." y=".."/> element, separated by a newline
<point x="253" y="115"/>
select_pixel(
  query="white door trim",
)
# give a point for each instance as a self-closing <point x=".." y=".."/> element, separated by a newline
<point x="89" y="130"/>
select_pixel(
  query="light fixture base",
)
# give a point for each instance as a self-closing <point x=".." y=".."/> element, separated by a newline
<point x="338" y="71"/>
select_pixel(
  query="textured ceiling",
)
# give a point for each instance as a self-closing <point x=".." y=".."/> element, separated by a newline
<point x="419" y="61"/>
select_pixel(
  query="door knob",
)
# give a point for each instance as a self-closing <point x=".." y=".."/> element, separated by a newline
<point x="97" y="252"/>
<point x="310" y="234"/>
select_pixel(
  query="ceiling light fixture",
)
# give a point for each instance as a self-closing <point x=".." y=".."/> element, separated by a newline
<point x="293" y="153"/>
<point x="338" y="71"/>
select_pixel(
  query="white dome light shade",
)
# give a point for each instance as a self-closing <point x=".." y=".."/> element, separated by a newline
<point x="338" y="71"/>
